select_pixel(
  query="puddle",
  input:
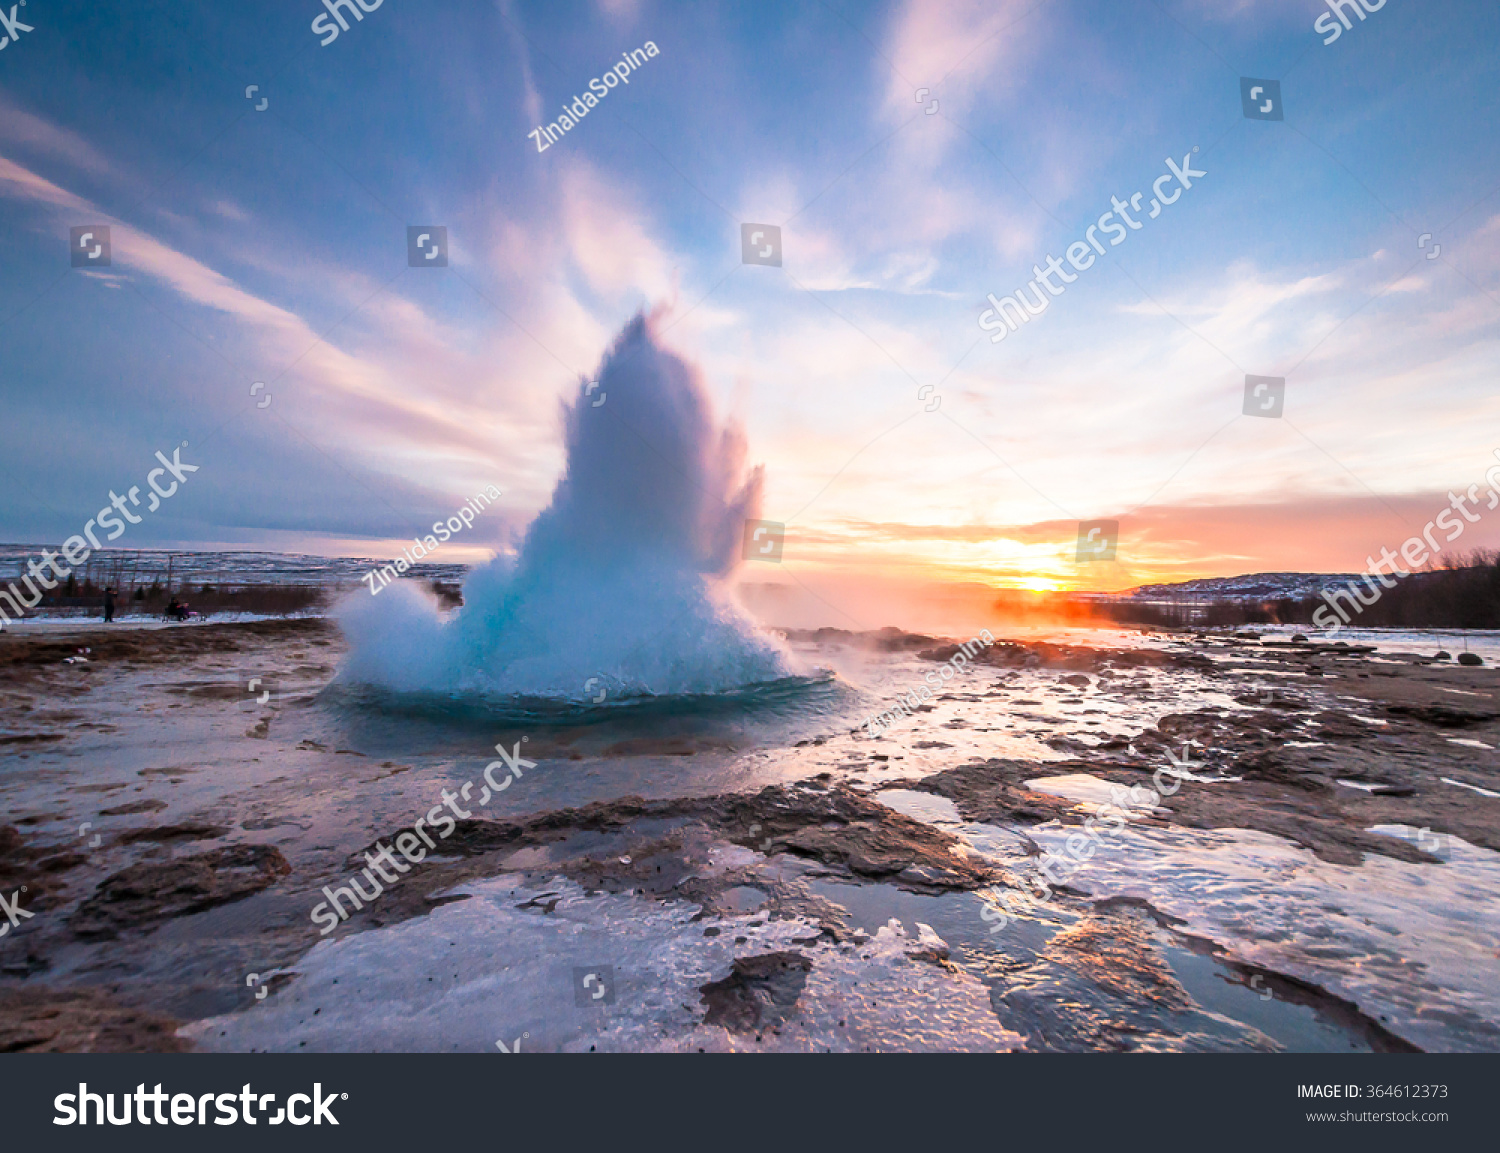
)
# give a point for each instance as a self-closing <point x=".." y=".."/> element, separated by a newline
<point x="953" y="916"/>
<point x="926" y="807"/>
<point x="1087" y="789"/>
<point x="1004" y="959"/>
<point x="742" y="899"/>
<point x="1296" y="1028"/>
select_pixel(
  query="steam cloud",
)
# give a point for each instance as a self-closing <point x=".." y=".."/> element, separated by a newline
<point x="620" y="578"/>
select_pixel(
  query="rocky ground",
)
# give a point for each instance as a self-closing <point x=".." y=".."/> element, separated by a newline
<point x="207" y="871"/>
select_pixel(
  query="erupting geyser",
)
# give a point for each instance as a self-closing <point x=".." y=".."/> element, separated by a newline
<point x="620" y="578"/>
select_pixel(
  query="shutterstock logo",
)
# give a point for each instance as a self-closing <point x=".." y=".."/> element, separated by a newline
<point x="426" y="246"/>
<point x="760" y="244"/>
<point x="1265" y="395"/>
<point x="90" y="245"/>
<point x="324" y="27"/>
<point x="763" y="540"/>
<point x="10" y="27"/>
<point x="1097" y="540"/>
<point x="13" y="913"/>
<point x="1330" y="27"/>
<point x="1261" y="99"/>
<point x="231" y="1108"/>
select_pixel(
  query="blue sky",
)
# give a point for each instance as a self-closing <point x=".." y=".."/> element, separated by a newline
<point x="271" y="246"/>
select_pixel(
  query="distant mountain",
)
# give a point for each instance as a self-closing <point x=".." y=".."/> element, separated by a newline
<point x="1251" y="586"/>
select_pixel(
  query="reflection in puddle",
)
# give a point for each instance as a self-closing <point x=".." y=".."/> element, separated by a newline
<point x="1220" y="1010"/>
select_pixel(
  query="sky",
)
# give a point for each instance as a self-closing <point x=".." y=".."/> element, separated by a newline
<point x="916" y="156"/>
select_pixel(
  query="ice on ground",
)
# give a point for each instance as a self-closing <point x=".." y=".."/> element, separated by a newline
<point x="929" y="808"/>
<point x="1476" y="788"/>
<point x="1415" y="946"/>
<point x="487" y="970"/>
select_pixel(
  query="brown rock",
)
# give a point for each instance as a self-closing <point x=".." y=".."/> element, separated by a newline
<point x="45" y="1020"/>
<point x="146" y="894"/>
<point x="760" y="992"/>
<point x="163" y="833"/>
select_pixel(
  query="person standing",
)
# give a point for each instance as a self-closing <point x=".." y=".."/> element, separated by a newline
<point x="109" y="605"/>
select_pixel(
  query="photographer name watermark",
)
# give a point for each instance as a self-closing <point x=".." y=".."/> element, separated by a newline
<point x="423" y="546"/>
<point x="876" y="725"/>
<point x="546" y="135"/>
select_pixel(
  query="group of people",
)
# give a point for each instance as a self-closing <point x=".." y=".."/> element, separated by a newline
<point x="176" y="610"/>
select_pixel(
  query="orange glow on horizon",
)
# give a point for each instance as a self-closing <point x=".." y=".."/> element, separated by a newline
<point x="1039" y="584"/>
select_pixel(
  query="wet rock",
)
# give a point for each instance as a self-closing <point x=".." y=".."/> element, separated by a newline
<point x="1116" y="951"/>
<point x="1470" y="659"/>
<point x="935" y="878"/>
<point x="24" y="968"/>
<point x="158" y="646"/>
<point x="146" y="894"/>
<point x="1337" y="727"/>
<point x="893" y="640"/>
<point x="929" y="946"/>
<point x="662" y="848"/>
<point x="841" y="828"/>
<point x="1105" y="985"/>
<point x="1444" y="716"/>
<point x="59" y="862"/>
<point x="993" y="791"/>
<point x="165" y="834"/>
<point x="656" y="866"/>
<point x="760" y="992"/>
<point x="470" y="838"/>
<point x="1269" y="698"/>
<point x="45" y="1020"/>
<point x="888" y="639"/>
<point x="33" y="864"/>
<point x="1272" y="766"/>
<point x="1041" y="654"/>
<point x="133" y="808"/>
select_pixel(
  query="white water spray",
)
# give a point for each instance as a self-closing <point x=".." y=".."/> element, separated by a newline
<point x="619" y="579"/>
